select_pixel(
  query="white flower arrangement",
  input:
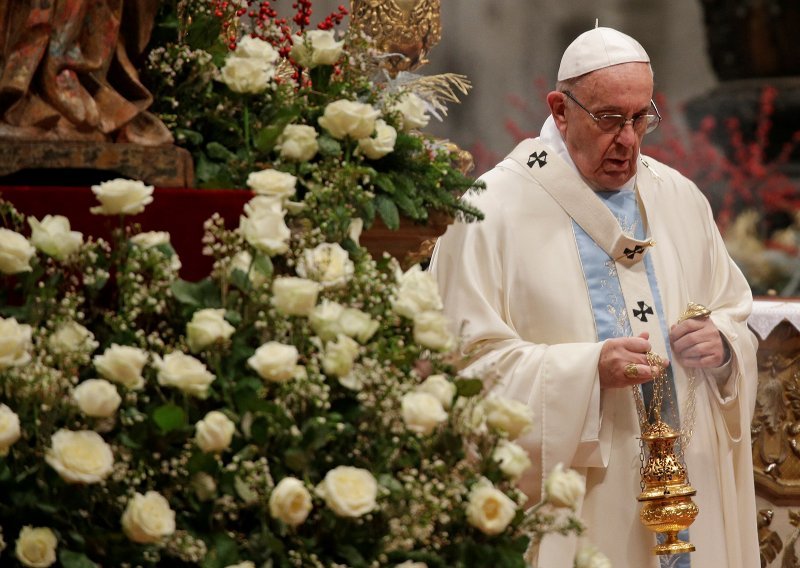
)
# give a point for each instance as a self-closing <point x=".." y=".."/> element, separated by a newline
<point x="313" y="416"/>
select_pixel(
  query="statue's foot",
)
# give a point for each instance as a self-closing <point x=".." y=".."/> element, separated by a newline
<point x="65" y="93"/>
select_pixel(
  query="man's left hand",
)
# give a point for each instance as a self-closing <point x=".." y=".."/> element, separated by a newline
<point x="698" y="343"/>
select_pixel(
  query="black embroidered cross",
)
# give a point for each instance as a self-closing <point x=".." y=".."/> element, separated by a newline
<point x="638" y="249"/>
<point x="642" y="312"/>
<point x="539" y="158"/>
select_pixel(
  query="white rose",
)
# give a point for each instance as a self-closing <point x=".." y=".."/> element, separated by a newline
<point x="440" y="387"/>
<point x="422" y="412"/>
<point x="148" y="518"/>
<point x="327" y="263"/>
<point x="507" y="415"/>
<point x="266" y="230"/>
<point x="15" y="252"/>
<point x="340" y="356"/>
<point x="298" y="142"/>
<point x="431" y="330"/>
<point x="382" y="143"/>
<point x="15" y="343"/>
<point x="355" y="228"/>
<point x="247" y="74"/>
<point x="9" y="429"/>
<point x="324" y="319"/>
<point x="275" y="362"/>
<point x="413" y="111"/>
<point x="204" y="485"/>
<point x="97" y="398"/>
<point x="344" y="118"/>
<point x="589" y="557"/>
<point x="185" y="373"/>
<point x="294" y="296"/>
<point x="264" y="204"/>
<point x="214" y="432"/>
<point x="80" y="457"/>
<point x="272" y="182"/>
<point x="53" y="237"/>
<point x="243" y="261"/>
<point x="290" y="502"/>
<point x="122" y="197"/>
<point x="412" y="564"/>
<point x="123" y="365"/>
<point x="72" y="337"/>
<point x="489" y="509"/>
<point x="564" y="488"/>
<point x="317" y="47"/>
<point x="207" y="327"/>
<point x="357" y="324"/>
<point x="150" y="239"/>
<point x="36" y="547"/>
<point x="245" y="564"/>
<point x="417" y="292"/>
<point x="349" y="491"/>
<point x="256" y="48"/>
<point x="512" y="458"/>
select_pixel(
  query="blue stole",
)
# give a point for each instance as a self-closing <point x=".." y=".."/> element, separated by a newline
<point x="611" y="314"/>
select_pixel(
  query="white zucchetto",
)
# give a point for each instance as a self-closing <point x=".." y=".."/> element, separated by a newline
<point x="597" y="49"/>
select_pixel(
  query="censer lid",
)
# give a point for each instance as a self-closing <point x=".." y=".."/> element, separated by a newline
<point x="659" y="430"/>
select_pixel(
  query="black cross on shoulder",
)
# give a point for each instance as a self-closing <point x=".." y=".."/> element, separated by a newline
<point x="538" y="158"/>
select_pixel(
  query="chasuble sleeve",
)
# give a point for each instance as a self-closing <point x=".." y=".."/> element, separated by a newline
<point x="710" y="277"/>
<point x="478" y="269"/>
<point x="731" y="303"/>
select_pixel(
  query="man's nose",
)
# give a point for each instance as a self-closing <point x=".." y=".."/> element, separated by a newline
<point x="626" y="135"/>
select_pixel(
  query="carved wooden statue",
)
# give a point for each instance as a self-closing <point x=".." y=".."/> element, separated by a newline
<point x="67" y="71"/>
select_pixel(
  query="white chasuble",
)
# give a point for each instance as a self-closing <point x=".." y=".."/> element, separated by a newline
<point x="514" y="287"/>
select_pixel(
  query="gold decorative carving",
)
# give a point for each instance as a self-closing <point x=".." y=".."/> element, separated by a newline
<point x="770" y="544"/>
<point x="405" y="30"/>
<point x="776" y="423"/>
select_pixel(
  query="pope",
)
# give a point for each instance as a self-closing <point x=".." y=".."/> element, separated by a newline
<point x="589" y="255"/>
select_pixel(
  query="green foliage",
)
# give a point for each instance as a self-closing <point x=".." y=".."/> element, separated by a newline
<point x="232" y="134"/>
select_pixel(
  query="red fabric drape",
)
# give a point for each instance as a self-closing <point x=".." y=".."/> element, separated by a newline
<point x="181" y="212"/>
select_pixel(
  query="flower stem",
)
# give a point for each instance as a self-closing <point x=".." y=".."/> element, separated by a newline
<point x="247" y="131"/>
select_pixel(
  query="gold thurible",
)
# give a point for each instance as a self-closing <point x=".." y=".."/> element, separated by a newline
<point x="666" y="497"/>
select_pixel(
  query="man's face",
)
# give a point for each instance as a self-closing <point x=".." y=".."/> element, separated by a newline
<point x="606" y="159"/>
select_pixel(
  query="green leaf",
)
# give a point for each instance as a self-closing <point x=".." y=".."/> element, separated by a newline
<point x="169" y="417"/>
<point x="217" y="151"/>
<point x="263" y="265"/>
<point x="202" y="294"/>
<point x="203" y="32"/>
<point x="296" y="459"/>
<point x="205" y="169"/>
<point x="385" y="183"/>
<point x="223" y="552"/>
<point x="191" y="136"/>
<point x="266" y="138"/>
<point x="201" y="461"/>
<point x="70" y="559"/>
<point x="468" y="387"/>
<point x="329" y="146"/>
<point x="388" y="212"/>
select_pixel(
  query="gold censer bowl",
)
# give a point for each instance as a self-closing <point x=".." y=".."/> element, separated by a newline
<point x="667" y="506"/>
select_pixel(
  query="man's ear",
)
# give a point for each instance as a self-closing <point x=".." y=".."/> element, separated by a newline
<point x="558" y="107"/>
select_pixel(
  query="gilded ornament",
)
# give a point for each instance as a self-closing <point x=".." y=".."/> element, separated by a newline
<point x="405" y="30"/>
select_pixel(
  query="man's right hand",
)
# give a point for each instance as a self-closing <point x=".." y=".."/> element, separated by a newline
<point x="618" y="353"/>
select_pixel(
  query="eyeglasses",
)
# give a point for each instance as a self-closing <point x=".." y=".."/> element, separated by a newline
<point x="641" y="123"/>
